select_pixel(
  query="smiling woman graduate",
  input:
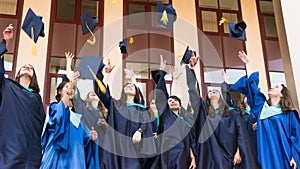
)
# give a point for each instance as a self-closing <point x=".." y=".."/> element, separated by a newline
<point x="21" y="115"/>
<point x="278" y="125"/>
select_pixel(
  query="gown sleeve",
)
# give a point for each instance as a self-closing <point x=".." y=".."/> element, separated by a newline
<point x="2" y="51"/>
<point x="197" y="103"/>
<point x="104" y="97"/>
<point x="3" y="47"/>
<point x="59" y="121"/>
<point x="249" y="87"/>
<point x="161" y="92"/>
<point x="249" y="156"/>
<point x="91" y="150"/>
<point x="225" y="88"/>
<point x="295" y="135"/>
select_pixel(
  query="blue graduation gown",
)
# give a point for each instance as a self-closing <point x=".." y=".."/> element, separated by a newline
<point x="218" y="136"/>
<point x="66" y="145"/>
<point x="2" y="47"/>
<point x="247" y="119"/>
<point x="175" y="132"/>
<point x="21" y="123"/>
<point x="278" y="134"/>
<point x="123" y="121"/>
<point x="90" y="118"/>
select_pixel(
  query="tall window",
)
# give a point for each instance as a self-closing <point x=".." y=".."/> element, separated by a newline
<point x="270" y="43"/>
<point x="217" y="50"/>
<point x="11" y="13"/>
<point x="150" y="40"/>
<point x="66" y="35"/>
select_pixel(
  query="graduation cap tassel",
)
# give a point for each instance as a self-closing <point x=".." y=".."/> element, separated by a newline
<point x="114" y="2"/>
<point x="131" y="40"/>
<point x="33" y="48"/>
<point x="100" y="84"/>
<point x="223" y="20"/>
<point x="164" y="18"/>
<point x="91" y="42"/>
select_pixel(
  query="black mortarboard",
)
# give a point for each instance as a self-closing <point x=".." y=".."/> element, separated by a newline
<point x="122" y="46"/>
<point x="90" y="21"/>
<point x="33" y="21"/>
<point x="187" y="56"/>
<point x="238" y="30"/>
<point x="166" y="15"/>
<point x="94" y="62"/>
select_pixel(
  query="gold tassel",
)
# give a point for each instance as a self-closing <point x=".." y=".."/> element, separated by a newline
<point x="91" y="42"/>
<point x="223" y="20"/>
<point x="100" y="84"/>
<point x="33" y="48"/>
<point x="179" y="56"/>
<point x="131" y="40"/>
<point x="164" y="18"/>
<point x="114" y="2"/>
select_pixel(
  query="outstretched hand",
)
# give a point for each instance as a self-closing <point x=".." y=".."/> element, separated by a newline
<point x="130" y="75"/>
<point x="225" y="76"/>
<point x="243" y="56"/>
<point x="194" y="60"/>
<point x="109" y="67"/>
<point x="175" y="73"/>
<point x="163" y="63"/>
<point x="8" y="33"/>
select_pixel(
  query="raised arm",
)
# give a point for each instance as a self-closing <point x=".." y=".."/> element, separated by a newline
<point x="248" y="85"/>
<point x="7" y="36"/>
<point x="225" y="88"/>
<point x="161" y="90"/>
<point x="245" y="59"/>
<point x="104" y="97"/>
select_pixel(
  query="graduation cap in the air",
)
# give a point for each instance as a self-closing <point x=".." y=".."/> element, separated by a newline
<point x="89" y="65"/>
<point x="88" y="25"/>
<point x="237" y="30"/>
<point x="166" y="15"/>
<point x="123" y="47"/>
<point x="33" y="27"/>
<point x="186" y="56"/>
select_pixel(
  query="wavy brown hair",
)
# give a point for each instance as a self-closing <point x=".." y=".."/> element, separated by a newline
<point x="137" y="98"/>
<point x="285" y="102"/>
<point x="223" y="107"/>
<point x="33" y="81"/>
<point x="101" y="107"/>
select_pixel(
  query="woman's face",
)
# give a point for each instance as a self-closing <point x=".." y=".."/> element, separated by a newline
<point x="275" y="91"/>
<point x="173" y="103"/>
<point x="93" y="96"/>
<point x="129" y="89"/>
<point x="66" y="89"/>
<point x="26" y="70"/>
<point x="214" y="94"/>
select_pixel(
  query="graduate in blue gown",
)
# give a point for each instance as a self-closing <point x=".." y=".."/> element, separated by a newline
<point x="21" y="115"/>
<point x="278" y="125"/>
<point x="243" y="108"/>
<point x="92" y="109"/>
<point x="178" y="146"/>
<point x="129" y="138"/>
<point x="223" y="141"/>
<point x="67" y="142"/>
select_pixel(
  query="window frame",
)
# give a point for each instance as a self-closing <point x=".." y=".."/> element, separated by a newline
<point x="76" y="21"/>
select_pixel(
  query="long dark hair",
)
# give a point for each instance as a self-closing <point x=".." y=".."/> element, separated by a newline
<point x="122" y="101"/>
<point x="33" y="82"/>
<point x="101" y="107"/>
<point x="242" y="104"/>
<point x="285" y="101"/>
<point x="223" y="107"/>
<point x="59" y="89"/>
